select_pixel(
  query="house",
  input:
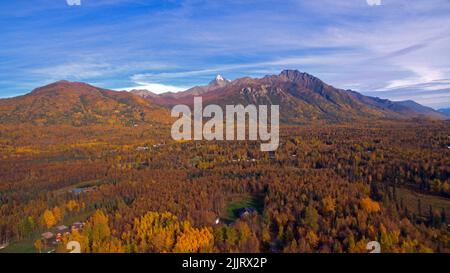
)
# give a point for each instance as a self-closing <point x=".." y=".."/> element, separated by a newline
<point x="47" y="238"/>
<point x="77" y="190"/>
<point x="47" y="235"/>
<point x="62" y="229"/>
<point x="272" y="155"/>
<point x="76" y="226"/>
<point x="243" y="212"/>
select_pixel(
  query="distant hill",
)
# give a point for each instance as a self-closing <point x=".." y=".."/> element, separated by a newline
<point x="418" y="108"/>
<point x="445" y="111"/>
<point x="144" y="93"/>
<point x="302" y="98"/>
<point x="77" y="103"/>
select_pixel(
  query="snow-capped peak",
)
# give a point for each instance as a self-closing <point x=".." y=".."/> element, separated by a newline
<point x="219" y="81"/>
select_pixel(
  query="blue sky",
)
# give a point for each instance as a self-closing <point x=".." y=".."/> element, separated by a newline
<point x="397" y="50"/>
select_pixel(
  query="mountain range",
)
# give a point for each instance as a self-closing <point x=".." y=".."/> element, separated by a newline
<point x="302" y="98"/>
<point x="170" y="98"/>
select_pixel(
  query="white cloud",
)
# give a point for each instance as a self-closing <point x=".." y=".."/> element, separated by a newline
<point x="423" y="76"/>
<point x="73" y="2"/>
<point x="373" y="2"/>
<point x="157" y="88"/>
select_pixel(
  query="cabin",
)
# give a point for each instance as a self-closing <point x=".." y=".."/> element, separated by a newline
<point x="58" y="237"/>
<point x="47" y="235"/>
<point x="243" y="212"/>
<point x="48" y="238"/>
<point x="62" y="229"/>
<point x="76" y="226"/>
<point x="77" y="190"/>
<point x="272" y="155"/>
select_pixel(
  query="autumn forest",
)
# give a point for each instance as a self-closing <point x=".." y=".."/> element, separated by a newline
<point x="328" y="188"/>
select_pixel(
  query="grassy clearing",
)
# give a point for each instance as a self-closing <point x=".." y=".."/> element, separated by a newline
<point x="410" y="199"/>
<point x="24" y="246"/>
<point x="242" y="201"/>
<point x="27" y="245"/>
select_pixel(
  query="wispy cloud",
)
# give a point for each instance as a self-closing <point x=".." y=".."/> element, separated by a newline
<point x="156" y="88"/>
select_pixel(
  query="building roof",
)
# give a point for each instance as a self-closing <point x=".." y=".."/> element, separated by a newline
<point x="47" y="235"/>
<point x="77" y="190"/>
<point x="61" y="227"/>
<point x="245" y="211"/>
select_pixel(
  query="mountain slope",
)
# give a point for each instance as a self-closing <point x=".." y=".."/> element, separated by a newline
<point x="75" y="103"/>
<point x="302" y="98"/>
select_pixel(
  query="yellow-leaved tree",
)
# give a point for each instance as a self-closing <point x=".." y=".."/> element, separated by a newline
<point x="163" y="232"/>
<point x="48" y="218"/>
<point x="369" y="205"/>
<point x="193" y="240"/>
